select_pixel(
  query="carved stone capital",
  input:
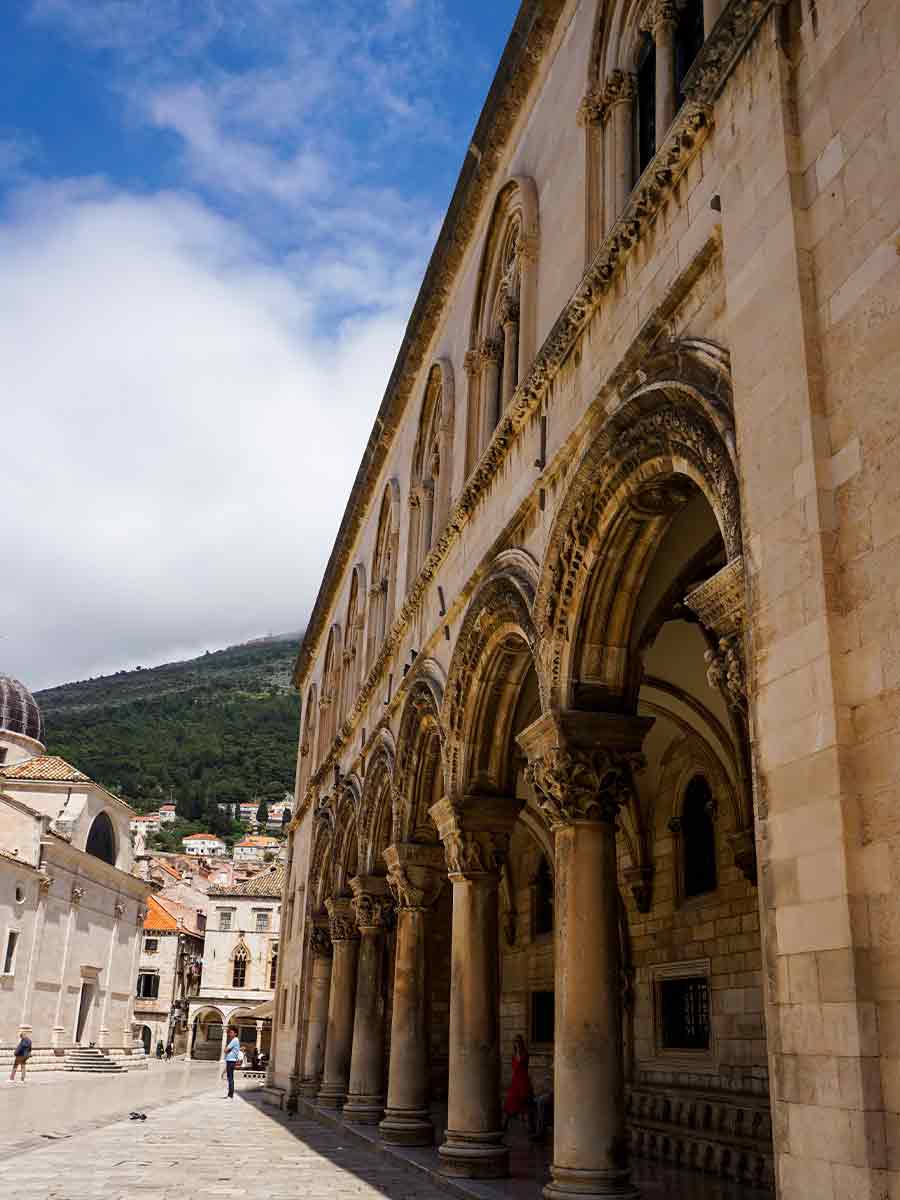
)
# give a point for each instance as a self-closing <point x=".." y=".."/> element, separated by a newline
<point x="475" y="834"/>
<point x="119" y="910"/>
<point x="657" y="13"/>
<point x="509" y="311"/>
<point x="416" y="874"/>
<point x="371" y="902"/>
<point x="320" y="942"/>
<point x="76" y="895"/>
<point x="640" y="881"/>
<point x="491" y="350"/>
<point x="472" y="362"/>
<point x="620" y="88"/>
<point x="593" y="109"/>
<point x="342" y="919"/>
<point x="720" y="602"/>
<point x="581" y="764"/>
<point x="45" y="883"/>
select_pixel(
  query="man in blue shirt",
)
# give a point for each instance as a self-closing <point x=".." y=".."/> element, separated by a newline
<point x="232" y="1058"/>
<point x="21" y="1055"/>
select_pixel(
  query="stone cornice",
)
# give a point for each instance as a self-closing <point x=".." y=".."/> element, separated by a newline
<point x="683" y="141"/>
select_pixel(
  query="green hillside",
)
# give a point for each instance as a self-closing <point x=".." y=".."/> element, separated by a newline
<point x="222" y="727"/>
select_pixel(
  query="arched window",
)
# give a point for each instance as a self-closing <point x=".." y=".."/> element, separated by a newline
<point x="384" y="571"/>
<point x="239" y="967"/>
<point x="353" y="641"/>
<point x="542" y="904"/>
<point x="101" y="840"/>
<point x="429" y="496"/>
<point x="331" y="683"/>
<point x="698" y="839"/>
<point x="273" y="967"/>
<point x="646" y="102"/>
<point x="308" y="739"/>
<point x="503" y="319"/>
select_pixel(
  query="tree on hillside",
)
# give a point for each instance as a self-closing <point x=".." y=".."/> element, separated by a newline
<point x="262" y="813"/>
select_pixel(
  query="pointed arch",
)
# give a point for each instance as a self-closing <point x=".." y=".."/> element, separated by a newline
<point x="347" y="847"/>
<point x="308" y="740"/>
<point x="671" y="439"/>
<point x="492" y="657"/>
<point x="383" y="593"/>
<point x="353" y="641"/>
<point x="420" y="775"/>
<point x="378" y="804"/>
<point x="432" y="466"/>
<point x="502" y="340"/>
<point x="331" y="684"/>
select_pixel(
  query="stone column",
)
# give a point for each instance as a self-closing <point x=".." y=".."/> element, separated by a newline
<point x="665" y="20"/>
<point x="491" y="353"/>
<point x="416" y="875"/>
<point x="475" y="834"/>
<point x="341" y="1003"/>
<point x="620" y="95"/>
<point x="426" y="529"/>
<point x="103" y="1034"/>
<point x="365" y="1094"/>
<point x="317" y="1022"/>
<point x="509" y="319"/>
<point x="45" y="883"/>
<point x="580" y="766"/>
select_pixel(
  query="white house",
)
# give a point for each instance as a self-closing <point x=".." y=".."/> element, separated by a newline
<point x="71" y="909"/>
<point x="146" y="822"/>
<point x="203" y="843"/>
<point x="167" y="814"/>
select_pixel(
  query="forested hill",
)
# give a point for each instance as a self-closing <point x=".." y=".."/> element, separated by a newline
<point x="222" y="727"/>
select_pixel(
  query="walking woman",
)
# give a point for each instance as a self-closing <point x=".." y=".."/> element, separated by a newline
<point x="519" y="1097"/>
<point x="232" y="1058"/>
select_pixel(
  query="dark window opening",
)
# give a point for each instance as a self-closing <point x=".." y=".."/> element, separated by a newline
<point x="101" y="842"/>
<point x="10" y="956"/>
<point x="698" y="839"/>
<point x="543" y="898"/>
<point x="646" y="102"/>
<point x="684" y="1008"/>
<point x="542" y="1016"/>
<point x="688" y="41"/>
<point x="273" y="970"/>
<point x="147" y="986"/>
<point x="239" y="974"/>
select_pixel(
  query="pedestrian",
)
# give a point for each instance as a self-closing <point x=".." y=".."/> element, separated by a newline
<point x="160" y="1049"/>
<point x="22" y="1053"/>
<point x="170" y="1050"/>
<point x="519" y="1096"/>
<point x="232" y="1058"/>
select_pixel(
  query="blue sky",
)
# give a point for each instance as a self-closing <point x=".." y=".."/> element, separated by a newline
<point x="214" y="217"/>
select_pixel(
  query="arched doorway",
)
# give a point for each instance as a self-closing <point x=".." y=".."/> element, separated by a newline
<point x="146" y="1038"/>
<point x="208" y="1030"/>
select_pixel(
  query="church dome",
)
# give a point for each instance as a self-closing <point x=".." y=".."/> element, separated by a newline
<point x="19" y="712"/>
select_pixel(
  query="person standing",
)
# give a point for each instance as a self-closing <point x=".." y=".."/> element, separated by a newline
<point x="232" y="1058"/>
<point x="22" y="1053"/>
<point x="520" y="1095"/>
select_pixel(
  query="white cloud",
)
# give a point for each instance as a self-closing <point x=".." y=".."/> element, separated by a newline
<point x="180" y="442"/>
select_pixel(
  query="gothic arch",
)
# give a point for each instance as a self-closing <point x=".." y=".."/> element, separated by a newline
<point x="419" y="754"/>
<point x="307" y="741"/>
<point x="432" y="467"/>
<point x="502" y="341"/>
<point x="321" y="861"/>
<point x="669" y="440"/>
<point x="353" y="641"/>
<point x="377" y="817"/>
<point x="493" y="654"/>
<point x="383" y="594"/>
<point x="331" y="687"/>
<point x="347" y="841"/>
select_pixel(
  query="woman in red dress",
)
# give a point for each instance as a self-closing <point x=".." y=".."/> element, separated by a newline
<point x="519" y="1097"/>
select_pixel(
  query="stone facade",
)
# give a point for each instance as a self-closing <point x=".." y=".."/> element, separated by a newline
<point x="601" y="682"/>
<point x="168" y="972"/>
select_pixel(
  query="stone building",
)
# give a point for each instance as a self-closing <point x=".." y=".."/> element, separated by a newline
<point x="600" y="690"/>
<point x="71" y="909"/>
<point x="240" y="963"/>
<point x="168" y="972"/>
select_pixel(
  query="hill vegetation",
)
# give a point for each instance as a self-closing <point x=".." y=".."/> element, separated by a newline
<point x="217" y="729"/>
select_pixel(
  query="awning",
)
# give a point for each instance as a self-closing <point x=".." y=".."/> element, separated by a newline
<point x="266" y="1009"/>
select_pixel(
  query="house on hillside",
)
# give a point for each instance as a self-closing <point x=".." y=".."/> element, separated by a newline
<point x="240" y="964"/>
<point x="254" y="848"/>
<point x="203" y="843"/>
<point x="145" y="823"/>
<point x="167" y="814"/>
<point x="71" y="908"/>
<point x="168" y="972"/>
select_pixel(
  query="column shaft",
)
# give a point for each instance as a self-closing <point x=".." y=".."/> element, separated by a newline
<point x="339" y="1037"/>
<point x="365" y="1098"/>
<point x="664" y="38"/>
<point x="622" y="152"/>
<point x="474" y="1143"/>
<point x="490" y="381"/>
<point x="712" y="10"/>
<point x="510" y="359"/>
<point x="407" y="1121"/>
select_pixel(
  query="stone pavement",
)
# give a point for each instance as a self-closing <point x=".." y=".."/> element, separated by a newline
<point x="196" y="1145"/>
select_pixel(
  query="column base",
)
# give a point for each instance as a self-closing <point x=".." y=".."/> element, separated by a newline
<point x="332" y="1095"/>
<point x="407" y="1127"/>
<point x="57" y="1036"/>
<point x="474" y="1155"/>
<point x="566" y="1182"/>
<point x="363" y="1110"/>
<point x="309" y="1088"/>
